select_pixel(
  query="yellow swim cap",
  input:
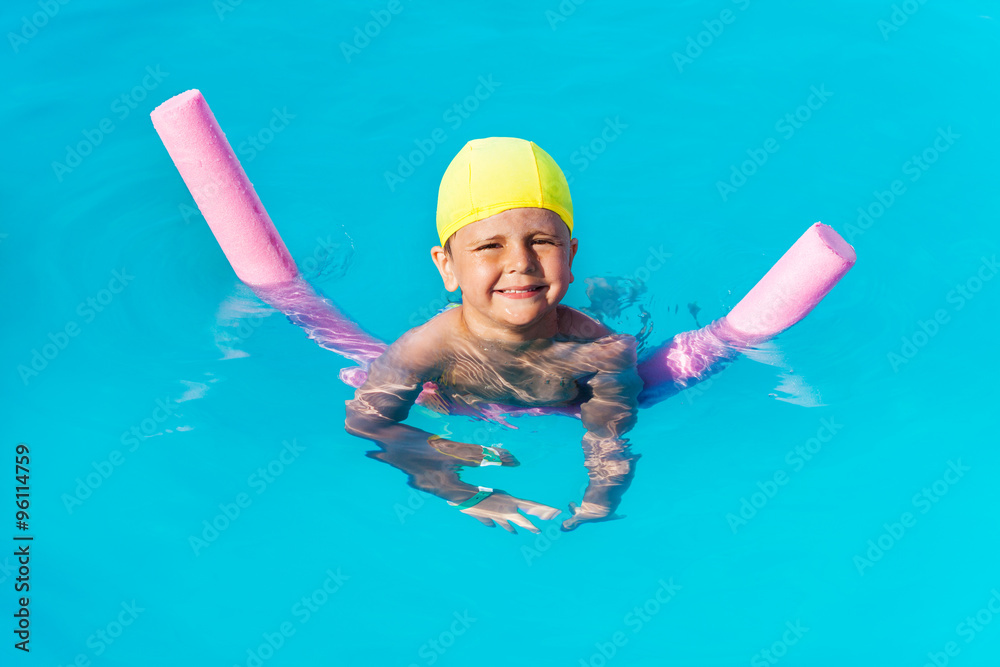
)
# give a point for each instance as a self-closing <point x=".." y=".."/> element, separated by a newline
<point x="489" y="176"/>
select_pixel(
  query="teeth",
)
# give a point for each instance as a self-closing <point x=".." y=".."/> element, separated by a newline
<point x="518" y="291"/>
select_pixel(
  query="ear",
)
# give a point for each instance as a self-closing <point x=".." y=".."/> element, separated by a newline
<point x="445" y="266"/>
<point x="572" y="254"/>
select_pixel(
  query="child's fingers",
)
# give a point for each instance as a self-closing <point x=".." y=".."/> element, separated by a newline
<point x="483" y="520"/>
<point x="537" y="509"/>
<point x="506" y="457"/>
<point x="498" y="456"/>
<point x="509" y="459"/>
<point x="506" y="526"/>
<point x="580" y="517"/>
<point x="573" y="520"/>
<point x="523" y="522"/>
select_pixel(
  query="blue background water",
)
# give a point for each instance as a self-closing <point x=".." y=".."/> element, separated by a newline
<point x="184" y="331"/>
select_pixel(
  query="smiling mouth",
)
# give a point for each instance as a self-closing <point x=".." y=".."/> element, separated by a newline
<point x="521" y="290"/>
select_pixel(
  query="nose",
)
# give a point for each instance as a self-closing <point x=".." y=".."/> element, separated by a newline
<point x="520" y="258"/>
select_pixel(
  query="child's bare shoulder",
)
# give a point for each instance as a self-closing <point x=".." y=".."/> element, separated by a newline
<point x="574" y="324"/>
<point x="606" y="349"/>
<point x="423" y="347"/>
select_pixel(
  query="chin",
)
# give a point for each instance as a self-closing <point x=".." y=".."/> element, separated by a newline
<point x="520" y="325"/>
<point x="522" y="320"/>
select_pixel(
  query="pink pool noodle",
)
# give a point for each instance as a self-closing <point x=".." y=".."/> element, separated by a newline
<point x="222" y="190"/>
<point x="794" y="285"/>
<point x="210" y="169"/>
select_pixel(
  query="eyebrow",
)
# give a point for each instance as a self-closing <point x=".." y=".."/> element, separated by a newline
<point x="496" y="237"/>
<point x="488" y="239"/>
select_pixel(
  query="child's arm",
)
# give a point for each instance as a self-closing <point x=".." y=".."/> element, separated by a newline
<point x="607" y="415"/>
<point x="384" y="400"/>
<point x="394" y="381"/>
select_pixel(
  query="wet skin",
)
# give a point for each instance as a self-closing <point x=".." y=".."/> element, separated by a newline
<point x="510" y="342"/>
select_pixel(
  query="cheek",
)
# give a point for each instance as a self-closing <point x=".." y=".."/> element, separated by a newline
<point x="480" y="276"/>
<point x="557" y="265"/>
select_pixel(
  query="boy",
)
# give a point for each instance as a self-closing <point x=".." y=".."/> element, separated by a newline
<point x="505" y="221"/>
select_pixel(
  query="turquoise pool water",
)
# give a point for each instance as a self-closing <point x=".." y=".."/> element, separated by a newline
<point x="164" y="396"/>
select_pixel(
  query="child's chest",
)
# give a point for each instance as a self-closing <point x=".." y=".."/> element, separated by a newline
<point x="530" y="378"/>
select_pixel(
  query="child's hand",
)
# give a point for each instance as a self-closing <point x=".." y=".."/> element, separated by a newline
<point x="587" y="512"/>
<point x="473" y="455"/>
<point x="502" y="509"/>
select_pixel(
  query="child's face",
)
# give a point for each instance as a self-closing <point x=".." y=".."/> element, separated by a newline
<point x="513" y="269"/>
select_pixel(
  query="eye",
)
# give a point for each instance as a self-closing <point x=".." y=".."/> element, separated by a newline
<point x="545" y="241"/>
<point x="488" y="246"/>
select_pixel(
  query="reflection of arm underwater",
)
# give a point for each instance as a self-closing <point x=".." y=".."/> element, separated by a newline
<point x="211" y="171"/>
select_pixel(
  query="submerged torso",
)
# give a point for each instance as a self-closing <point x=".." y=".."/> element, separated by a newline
<point x="455" y="370"/>
<point x="547" y="372"/>
<point x="544" y="372"/>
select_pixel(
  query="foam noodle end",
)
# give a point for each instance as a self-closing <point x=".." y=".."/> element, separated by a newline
<point x="794" y="285"/>
<point x="222" y="191"/>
